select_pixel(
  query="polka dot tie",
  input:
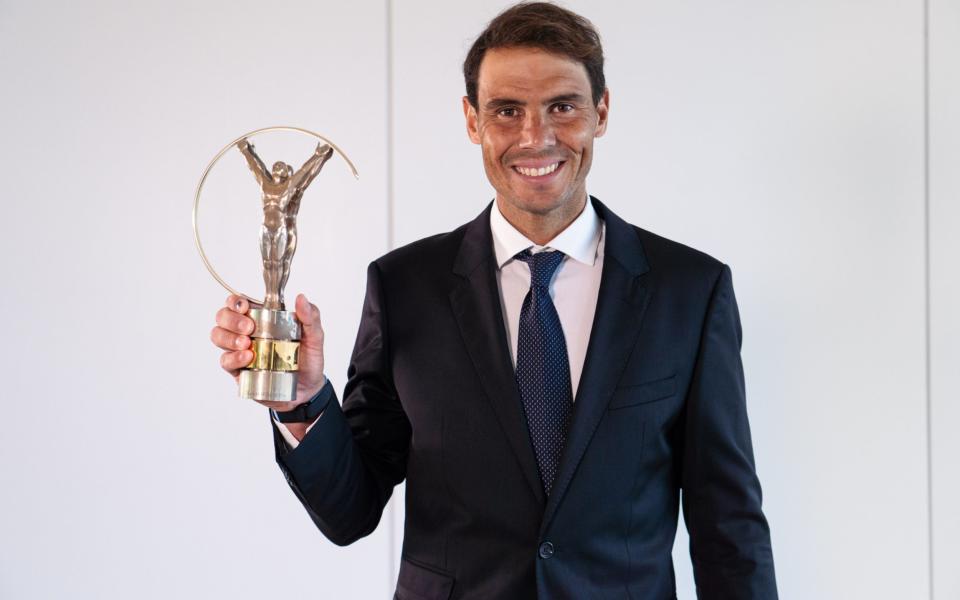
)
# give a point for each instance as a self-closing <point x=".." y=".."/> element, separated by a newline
<point x="543" y="369"/>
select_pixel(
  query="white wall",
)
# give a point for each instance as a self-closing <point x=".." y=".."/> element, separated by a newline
<point x="944" y="248"/>
<point x="787" y="139"/>
<point x="130" y="468"/>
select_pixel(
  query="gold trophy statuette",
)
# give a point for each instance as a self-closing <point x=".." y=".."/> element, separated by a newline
<point x="272" y="374"/>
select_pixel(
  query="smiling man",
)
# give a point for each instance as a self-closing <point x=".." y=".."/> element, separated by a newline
<point x="546" y="378"/>
<point x="535" y="116"/>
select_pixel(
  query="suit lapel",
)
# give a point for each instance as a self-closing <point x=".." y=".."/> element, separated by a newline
<point x="621" y="305"/>
<point x="476" y="307"/>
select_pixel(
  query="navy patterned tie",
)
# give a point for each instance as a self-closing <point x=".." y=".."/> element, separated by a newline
<point x="543" y="369"/>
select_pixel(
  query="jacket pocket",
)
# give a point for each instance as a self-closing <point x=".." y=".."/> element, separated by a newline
<point x="420" y="582"/>
<point x="643" y="393"/>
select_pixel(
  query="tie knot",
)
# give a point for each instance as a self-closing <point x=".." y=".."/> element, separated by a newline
<point x="542" y="265"/>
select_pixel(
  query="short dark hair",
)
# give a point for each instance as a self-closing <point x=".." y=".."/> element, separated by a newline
<point x="539" y="25"/>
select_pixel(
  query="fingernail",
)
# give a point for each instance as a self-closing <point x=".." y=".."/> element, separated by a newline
<point x="238" y="304"/>
<point x="239" y="342"/>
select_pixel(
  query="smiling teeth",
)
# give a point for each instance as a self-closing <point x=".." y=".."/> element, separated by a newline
<point x="538" y="172"/>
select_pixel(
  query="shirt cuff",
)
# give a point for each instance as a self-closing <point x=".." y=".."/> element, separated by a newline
<point x="285" y="432"/>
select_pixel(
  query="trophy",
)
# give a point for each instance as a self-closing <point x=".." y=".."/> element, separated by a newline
<point x="272" y="374"/>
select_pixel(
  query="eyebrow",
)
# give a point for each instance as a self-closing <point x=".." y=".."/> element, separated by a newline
<point x="496" y="103"/>
<point x="568" y="98"/>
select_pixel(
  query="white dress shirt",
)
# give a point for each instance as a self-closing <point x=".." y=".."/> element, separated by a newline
<point x="574" y="287"/>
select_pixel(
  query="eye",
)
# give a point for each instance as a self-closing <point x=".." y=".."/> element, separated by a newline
<point x="563" y="107"/>
<point x="508" y="111"/>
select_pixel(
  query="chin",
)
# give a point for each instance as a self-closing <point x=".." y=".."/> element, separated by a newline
<point x="538" y="206"/>
<point x="546" y="200"/>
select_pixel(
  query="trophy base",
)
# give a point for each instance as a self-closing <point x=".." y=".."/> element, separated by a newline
<point x="274" y="386"/>
<point x="275" y="324"/>
<point x="272" y="374"/>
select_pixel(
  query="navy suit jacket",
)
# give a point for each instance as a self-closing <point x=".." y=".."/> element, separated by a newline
<point x="431" y="398"/>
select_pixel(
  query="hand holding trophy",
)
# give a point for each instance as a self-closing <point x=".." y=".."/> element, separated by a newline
<point x="264" y="344"/>
<point x="232" y="335"/>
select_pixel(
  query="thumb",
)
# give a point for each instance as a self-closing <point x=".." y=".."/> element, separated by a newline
<point x="309" y="316"/>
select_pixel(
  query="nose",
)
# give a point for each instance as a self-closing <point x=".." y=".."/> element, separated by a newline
<point x="537" y="131"/>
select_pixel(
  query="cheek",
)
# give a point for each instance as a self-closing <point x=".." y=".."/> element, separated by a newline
<point x="581" y="142"/>
<point x="493" y="148"/>
<point x="496" y="134"/>
<point x="582" y="131"/>
<point x="491" y="161"/>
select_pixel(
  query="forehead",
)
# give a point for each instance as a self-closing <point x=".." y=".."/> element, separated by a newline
<point x="525" y="72"/>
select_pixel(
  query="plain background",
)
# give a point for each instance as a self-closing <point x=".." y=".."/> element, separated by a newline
<point x="812" y="146"/>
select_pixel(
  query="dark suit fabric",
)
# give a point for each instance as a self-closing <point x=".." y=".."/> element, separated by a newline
<point x="431" y="398"/>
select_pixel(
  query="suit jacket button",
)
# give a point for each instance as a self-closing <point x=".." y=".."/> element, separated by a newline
<point x="546" y="550"/>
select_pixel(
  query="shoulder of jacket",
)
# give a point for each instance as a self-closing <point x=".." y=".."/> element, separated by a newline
<point x="673" y="261"/>
<point x="434" y="251"/>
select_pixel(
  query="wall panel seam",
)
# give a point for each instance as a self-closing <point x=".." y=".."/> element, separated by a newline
<point x="390" y="233"/>
<point x="926" y="278"/>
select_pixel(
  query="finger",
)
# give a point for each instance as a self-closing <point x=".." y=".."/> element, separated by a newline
<point x="235" y="322"/>
<point x="238" y="304"/>
<point x="233" y="362"/>
<point x="309" y="316"/>
<point x="308" y="313"/>
<point x="227" y="340"/>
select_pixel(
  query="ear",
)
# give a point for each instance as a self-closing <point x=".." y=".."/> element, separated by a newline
<point x="470" y="114"/>
<point x="603" y="110"/>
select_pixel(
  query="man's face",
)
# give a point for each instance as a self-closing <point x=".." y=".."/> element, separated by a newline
<point x="280" y="172"/>
<point x="535" y="122"/>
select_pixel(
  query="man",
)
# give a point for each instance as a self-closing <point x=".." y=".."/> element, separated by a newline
<point x="546" y="378"/>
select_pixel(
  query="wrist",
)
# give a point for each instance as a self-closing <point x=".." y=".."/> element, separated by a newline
<point x="298" y="430"/>
<point x="310" y="393"/>
<point x="307" y="412"/>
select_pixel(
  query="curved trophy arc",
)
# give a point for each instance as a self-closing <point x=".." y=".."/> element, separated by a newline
<point x="206" y="173"/>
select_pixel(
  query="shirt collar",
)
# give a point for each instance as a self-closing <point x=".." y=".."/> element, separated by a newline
<point x="580" y="240"/>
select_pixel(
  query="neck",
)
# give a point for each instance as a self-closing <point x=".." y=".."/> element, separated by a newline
<point x="541" y="228"/>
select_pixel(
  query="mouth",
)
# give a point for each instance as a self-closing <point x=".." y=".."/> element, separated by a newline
<point x="538" y="171"/>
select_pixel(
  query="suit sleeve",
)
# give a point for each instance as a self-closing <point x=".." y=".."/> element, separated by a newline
<point x="345" y="468"/>
<point x="729" y="536"/>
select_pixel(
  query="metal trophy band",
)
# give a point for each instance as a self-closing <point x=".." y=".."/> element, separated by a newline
<point x="272" y="374"/>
